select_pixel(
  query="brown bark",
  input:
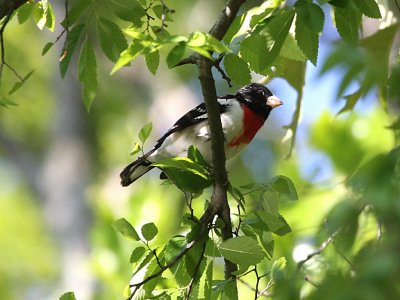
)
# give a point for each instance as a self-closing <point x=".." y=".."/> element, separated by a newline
<point x="8" y="6"/>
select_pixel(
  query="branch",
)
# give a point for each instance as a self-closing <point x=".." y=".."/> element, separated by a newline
<point x="8" y="6"/>
<point x="219" y="202"/>
<point x="225" y="18"/>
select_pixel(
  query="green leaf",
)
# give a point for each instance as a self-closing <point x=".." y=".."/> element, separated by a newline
<point x="234" y="28"/>
<point x="137" y="254"/>
<point x="176" y="55"/>
<point x="128" y="55"/>
<point x="149" y="231"/>
<point x="144" y="132"/>
<point x="112" y="41"/>
<point x="68" y="296"/>
<point x="278" y="266"/>
<point x="268" y="243"/>
<point x="252" y="50"/>
<point x="347" y="22"/>
<point x="291" y="50"/>
<point x="173" y="248"/>
<point x="136" y="148"/>
<point x="295" y="73"/>
<point x="128" y="10"/>
<point x="237" y="69"/>
<point x="276" y="223"/>
<point x="25" y="11"/>
<point x="285" y="187"/>
<point x="87" y="73"/>
<point x="69" y="47"/>
<point x="195" y="155"/>
<point x="152" y="60"/>
<point x="126" y="229"/>
<point x="230" y="291"/>
<point x="192" y="259"/>
<point x="307" y="40"/>
<point x="209" y="280"/>
<point x="369" y="8"/>
<point x="43" y="15"/>
<point x="7" y="102"/>
<point x="185" y="164"/>
<point x="47" y="47"/>
<point x="311" y="14"/>
<point x="19" y="84"/>
<point x="276" y="30"/>
<point x="242" y="250"/>
<point x="77" y="10"/>
<point x="186" y="174"/>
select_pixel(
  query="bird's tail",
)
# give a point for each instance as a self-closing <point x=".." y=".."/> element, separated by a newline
<point x="135" y="170"/>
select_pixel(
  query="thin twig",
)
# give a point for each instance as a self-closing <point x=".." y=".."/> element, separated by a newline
<point x="263" y="292"/>
<point x="221" y="71"/>
<point x="319" y="250"/>
<point x="162" y="269"/>
<point x="397" y="5"/>
<point x="295" y="123"/>
<point x="307" y="279"/>
<point x="3" y="61"/>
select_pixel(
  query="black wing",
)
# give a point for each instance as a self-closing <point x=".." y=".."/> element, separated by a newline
<point x="195" y="116"/>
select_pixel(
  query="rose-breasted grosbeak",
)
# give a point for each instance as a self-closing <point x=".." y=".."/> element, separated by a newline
<point x="242" y="115"/>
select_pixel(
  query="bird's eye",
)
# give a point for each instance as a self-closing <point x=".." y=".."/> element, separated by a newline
<point x="260" y="92"/>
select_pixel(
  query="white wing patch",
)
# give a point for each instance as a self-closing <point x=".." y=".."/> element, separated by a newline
<point x="177" y="144"/>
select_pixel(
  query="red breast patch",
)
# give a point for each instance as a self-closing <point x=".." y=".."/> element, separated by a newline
<point x="252" y="122"/>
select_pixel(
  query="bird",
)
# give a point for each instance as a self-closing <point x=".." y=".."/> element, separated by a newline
<point x="242" y="115"/>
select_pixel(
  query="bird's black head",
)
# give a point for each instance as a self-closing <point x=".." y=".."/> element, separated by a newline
<point x="259" y="98"/>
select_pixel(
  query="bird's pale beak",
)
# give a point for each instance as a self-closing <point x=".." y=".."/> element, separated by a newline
<point x="274" y="101"/>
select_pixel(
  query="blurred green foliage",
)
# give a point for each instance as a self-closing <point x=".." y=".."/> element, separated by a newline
<point x="351" y="217"/>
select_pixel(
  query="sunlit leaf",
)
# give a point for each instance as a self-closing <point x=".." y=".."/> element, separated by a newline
<point x="144" y="132"/>
<point x="136" y="148"/>
<point x="68" y="296"/>
<point x="242" y="250"/>
<point x="276" y="30"/>
<point x="126" y="229"/>
<point x="43" y="15"/>
<point x="128" y="55"/>
<point x="176" y="55"/>
<point x="152" y="60"/>
<point x="291" y="50"/>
